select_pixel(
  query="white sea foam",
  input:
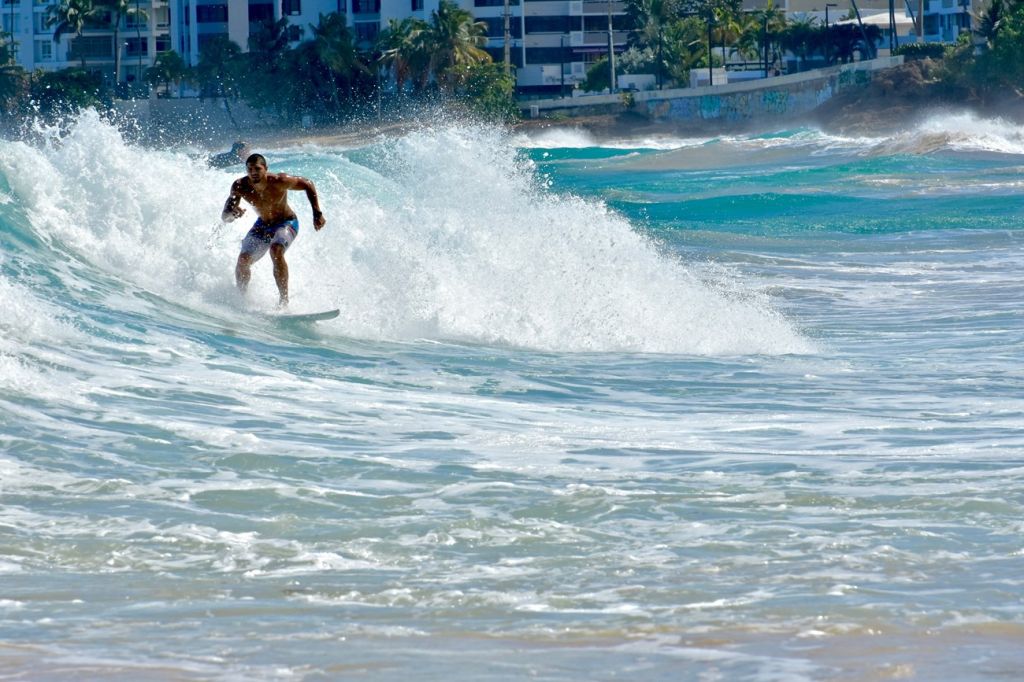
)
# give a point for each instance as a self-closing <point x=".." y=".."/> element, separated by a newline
<point x="578" y="138"/>
<point x="450" y="236"/>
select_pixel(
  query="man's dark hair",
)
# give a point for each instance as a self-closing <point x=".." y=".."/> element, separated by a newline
<point x="253" y="158"/>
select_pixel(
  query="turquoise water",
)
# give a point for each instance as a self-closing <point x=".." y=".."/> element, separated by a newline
<point x="742" y="408"/>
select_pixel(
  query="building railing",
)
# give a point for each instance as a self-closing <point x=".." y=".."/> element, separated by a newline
<point x="602" y="7"/>
<point x="601" y="37"/>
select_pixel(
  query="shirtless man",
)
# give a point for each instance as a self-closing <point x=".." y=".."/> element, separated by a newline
<point x="277" y="225"/>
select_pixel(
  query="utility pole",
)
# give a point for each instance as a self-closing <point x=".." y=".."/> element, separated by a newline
<point x="561" y="41"/>
<point x="892" y="26"/>
<point x="711" y="76"/>
<point x="828" y="35"/>
<point x="508" y="41"/>
<point x="611" y="51"/>
<point x="765" y="46"/>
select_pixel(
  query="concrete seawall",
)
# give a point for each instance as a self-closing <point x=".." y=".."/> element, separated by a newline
<point x="749" y="104"/>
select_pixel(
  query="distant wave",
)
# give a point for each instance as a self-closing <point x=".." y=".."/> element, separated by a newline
<point x="945" y="132"/>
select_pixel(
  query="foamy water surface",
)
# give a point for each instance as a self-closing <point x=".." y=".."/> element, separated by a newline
<point x="742" y="408"/>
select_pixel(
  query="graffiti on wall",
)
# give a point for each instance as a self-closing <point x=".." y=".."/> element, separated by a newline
<point x="795" y="98"/>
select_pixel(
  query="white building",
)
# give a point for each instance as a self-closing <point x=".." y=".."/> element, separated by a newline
<point x="141" y="40"/>
<point x="551" y="42"/>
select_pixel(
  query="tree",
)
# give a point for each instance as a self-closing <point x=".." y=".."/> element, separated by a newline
<point x="801" y="38"/>
<point x="1004" y="60"/>
<point x="768" y="23"/>
<point x="269" y="67"/>
<point x="168" y="67"/>
<point x="336" y="49"/>
<point x="651" y="19"/>
<point x="12" y="78"/>
<point x="403" y="48"/>
<point x="598" y="76"/>
<point x="487" y="90"/>
<point x="120" y="9"/>
<point x="71" y="16"/>
<point x="455" y="39"/>
<point x="218" y="70"/>
<point x="65" y="91"/>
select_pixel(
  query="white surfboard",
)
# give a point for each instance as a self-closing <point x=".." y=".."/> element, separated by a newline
<point x="305" y="317"/>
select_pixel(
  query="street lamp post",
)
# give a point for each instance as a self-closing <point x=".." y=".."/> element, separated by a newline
<point x="711" y="77"/>
<point x="611" y="51"/>
<point x="561" y="40"/>
<point x="828" y="35"/>
<point x="765" y="46"/>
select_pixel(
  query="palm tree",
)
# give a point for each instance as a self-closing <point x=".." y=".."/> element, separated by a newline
<point x="71" y="16"/>
<point x="216" y="71"/>
<point x="12" y="76"/>
<point x="402" y="47"/>
<point x="455" y="40"/>
<point x="168" y="67"/>
<point x="334" y="46"/>
<point x="119" y="9"/>
<point x="989" y="21"/>
<point x="799" y="37"/>
<point x="769" y="21"/>
<point x="652" y="17"/>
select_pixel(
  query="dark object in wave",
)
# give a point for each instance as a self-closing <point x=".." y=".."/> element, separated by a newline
<point x="239" y="150"/>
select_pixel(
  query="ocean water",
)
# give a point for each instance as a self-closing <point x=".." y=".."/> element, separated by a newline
<point x="741" y="408"/>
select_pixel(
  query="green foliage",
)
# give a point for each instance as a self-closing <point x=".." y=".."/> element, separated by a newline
<point x="66" y="91"/>
<point x="598" y="76"/>
<point x="1003" y="62"/>
<point x="71" y="16"/>
<point x="998" y="71"/>
<point x="403" y="48"/>
<point x="637" y="60"/>
<point x="487" y="91"/>
<point x="454" y="40"/>
<point x="13" y="80"/>
<point x="168" y="67"/>
<point x="912" y="51"/>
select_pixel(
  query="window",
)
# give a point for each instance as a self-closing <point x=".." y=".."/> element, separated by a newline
<point x="135" y="20"/>
<point x="494" y="3"/>
<point x="367" y="31"/>
<point x="261" y="12"/>
<point x="294" y="33"/>
<point x="6" y="19"/>
<point x="162" y="16"/>
<point x="417" y="5"/>
<point x="366" y="6"/>
<point x="137" y="47"/>
<point x="291" y="8"/>
<point x="163" y="43"/>
<point x="498" y="55"/>
<point x="496" y="27"/>
<point x="211" y="14"/>
<point x="548" y="55"/>
<point x="44" y="50"/>
<point x="92" y="46"/>
<point x="39" y="23"/>
<point x="547" y="24"/>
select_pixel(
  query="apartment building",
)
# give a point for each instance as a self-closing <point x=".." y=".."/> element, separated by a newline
<point x="551" y="43"/>
<point x="140" y="39"/>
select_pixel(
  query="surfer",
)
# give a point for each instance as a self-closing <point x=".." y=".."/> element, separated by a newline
<point x="277" y="225"/>
<point x="234" y="156"/>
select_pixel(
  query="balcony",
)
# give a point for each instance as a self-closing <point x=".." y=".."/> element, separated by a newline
<point x="602" y="7"/>
<point x="591" y="38"/>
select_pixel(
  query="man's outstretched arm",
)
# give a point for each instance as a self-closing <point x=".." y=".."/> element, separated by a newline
<point x="231" y="208"/>
<point x="314" y="201"/>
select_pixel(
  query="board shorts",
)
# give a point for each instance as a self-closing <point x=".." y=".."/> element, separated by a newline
<point x="262" y="236"/>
